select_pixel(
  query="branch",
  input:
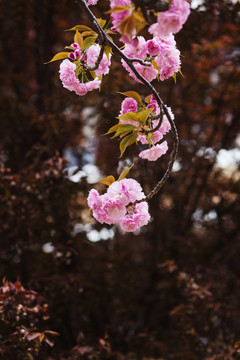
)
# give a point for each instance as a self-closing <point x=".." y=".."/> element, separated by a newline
<point x="148" y="85"/>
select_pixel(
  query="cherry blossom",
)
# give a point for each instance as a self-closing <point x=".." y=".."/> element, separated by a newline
<point x="154" y="152"/>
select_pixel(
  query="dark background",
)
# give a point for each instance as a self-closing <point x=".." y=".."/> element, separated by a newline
<point x="170" y="291"/>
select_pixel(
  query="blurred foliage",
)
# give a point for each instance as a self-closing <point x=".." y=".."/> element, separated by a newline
<point x="169" y="292"/>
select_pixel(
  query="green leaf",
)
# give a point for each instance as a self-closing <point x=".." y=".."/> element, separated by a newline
<point x="90" y="40"/>
<point x="108" y="180"/>
<point x="88" y="33"/>
<point x="80" y="28"/>
<point x="101" y="22"/>
<point x="134" y="95"/>
<point x="78" y="39"/>
<point x="180" y="72"/>
<point x="143" y="115"/>
<point x="108" y="50"/>
<point x="125" y="127"/>
<point x="123" y="130"/>
<point x="174" y="77"/>
<point x="130" y="116"/>
<point x="113" y="128"/>
<point x="147" y="99"/>
<point x="127" y="141"/>
<point x="59" y="56"/>
<point x="124" y="173"/>
<point x="118" y="8"/>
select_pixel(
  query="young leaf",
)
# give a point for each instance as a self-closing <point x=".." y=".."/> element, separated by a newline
<point x="125" y="127"/>
<point x="78" y="39"/>
<point x="116" y="9"/>
<point x="113" y="128"/>
<point x="175" y="77"/>
<point x="143" y="115"/>
<point x="88" y="33"/>
<point x="107" y="50"/>
<point x="134" y="95"/>
<point x="108" y="180"/>
<point x="180" y="72"/>
<point x="147" y="99"/>
<point x="80" y="28"/>
<point x="127" y="141"/>
<point x="130" y="116"/>
<point x="101" y="22"/>
<point x="127" y="26"/>
<point x="124" y="173"/>
<point x="59" y="56"/>
<point x="90" y="40"/>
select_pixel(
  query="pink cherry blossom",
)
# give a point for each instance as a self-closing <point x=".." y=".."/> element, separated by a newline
<point x="114" y="209"/>
<point x="72" y="56"/>
<point x="126" y="190"/>
<point x="137" y="216"/>
<point x="67" y="75"/>
<point x="92" y="2"/>
<point x="171" y="21"/>
<point x="148" y="72"/>
<point x="75" y="46"/>
<point x="118" y="17"/>
<point x="129" y="105"/>
<point x="92" y="56"/>
<point x="154" y="152"/>
<point x="137" y="48"/>
<point x="153" y="47"/>
<point x="70" y="81"/>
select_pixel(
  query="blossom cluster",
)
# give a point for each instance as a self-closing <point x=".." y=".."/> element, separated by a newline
<point x="172" y="20"/>
<point x="82" y="61"/>
<point x="117" y="206"/>
<point x="165" y="57"/>
<point x="155" y="150"/>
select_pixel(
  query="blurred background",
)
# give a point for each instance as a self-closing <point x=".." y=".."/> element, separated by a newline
<point x="170" y="290"/>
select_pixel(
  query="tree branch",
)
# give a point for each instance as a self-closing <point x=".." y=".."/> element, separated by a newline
<point x="148" y="85"/>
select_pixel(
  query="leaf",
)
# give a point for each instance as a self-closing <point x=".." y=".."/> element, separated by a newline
<point x="107" y="50"/>
<point x="80" y="28"/>
<point x="127" y="141"/>
<point x="147" y="99"/>
<point x="139" y="16"/>
<point x="124" y="129"/>
<point x="78" y="39"/>
<point x="155" y="65"/>
<point x="90" y="40"/>
<point x="134" y="95"/>
<point x="180" y="72"/>
<point x="59" y="56"/>
<point x="129" y="116"/>
<point x="108" y="180"/>
<point x="175" y="77"/>
<point x="101" y="22"/>
<point x="143" y="115"/>
<point x="87" y="33"/>
<point x="127" y="26"/>
<point x="41" y="337"/>
<point x="113" y="128"/>
<point x="117" y="8"/>
<point x="124" y="173"/>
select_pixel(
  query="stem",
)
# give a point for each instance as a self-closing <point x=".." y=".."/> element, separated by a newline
<point x="163" y="109"/>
